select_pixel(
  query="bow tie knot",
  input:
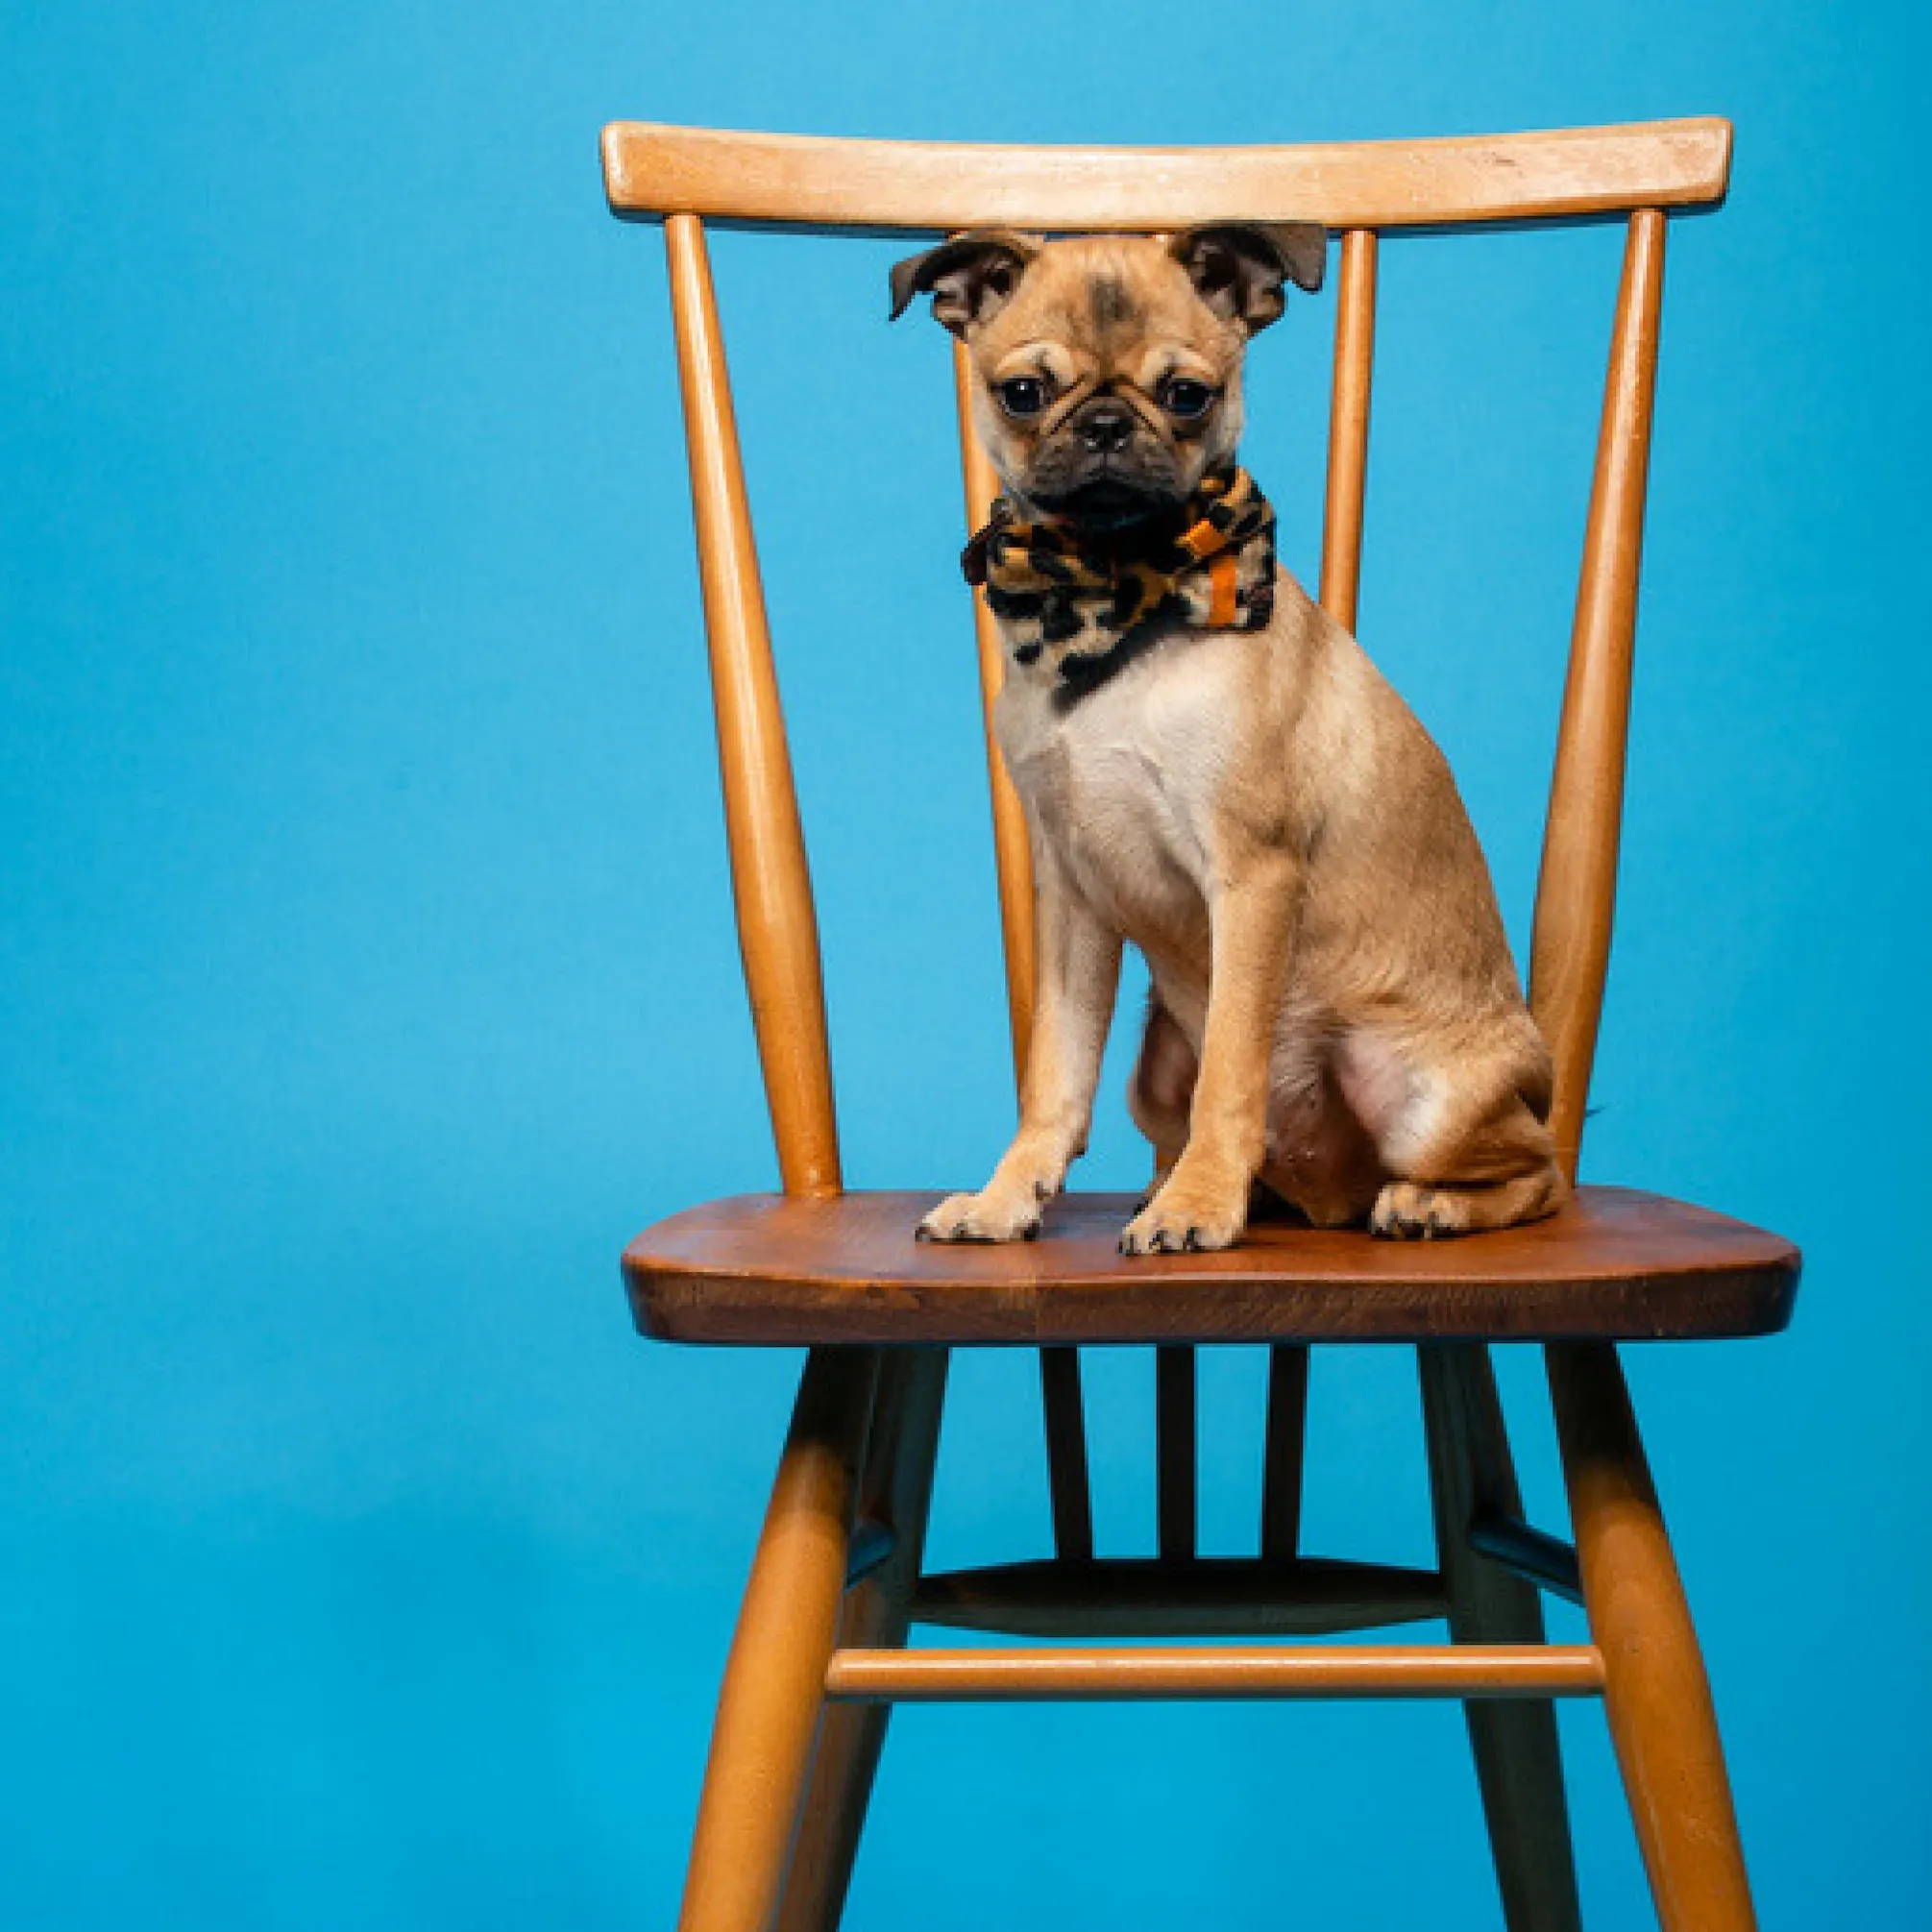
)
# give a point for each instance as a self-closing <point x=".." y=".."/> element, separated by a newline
<point x="1051" y="586"/>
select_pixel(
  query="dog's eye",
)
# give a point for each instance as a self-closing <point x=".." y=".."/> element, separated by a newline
<point x="1184" y="397"/>
<point x="1022" y="396"/>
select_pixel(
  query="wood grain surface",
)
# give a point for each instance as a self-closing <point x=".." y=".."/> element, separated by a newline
<point x="650" y="169"/>
<point x="1230" y="1671"/>
<point x="1615" y="1264"/>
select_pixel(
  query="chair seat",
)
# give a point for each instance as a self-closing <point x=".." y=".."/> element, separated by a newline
<point x="1614" y="1264"/>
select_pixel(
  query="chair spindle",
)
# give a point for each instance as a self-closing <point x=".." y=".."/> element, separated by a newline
<point x="1519" y="1765"/>
<point x="1348" y="427"/>
<point x="1577" y="889"/>
<point x="1282" y="1453"/>
<point x="1060" y="1397"/>
<point x="777" y="928"/>
<point x="1013" y="858"/>
<point x="1065" y="1413"/>
<point x="1175" y="1433"/>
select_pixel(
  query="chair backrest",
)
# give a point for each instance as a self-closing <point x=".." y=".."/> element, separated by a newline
<point x="687" y="176"/>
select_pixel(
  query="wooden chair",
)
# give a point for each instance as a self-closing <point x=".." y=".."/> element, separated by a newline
<point x="820" y="1652"/>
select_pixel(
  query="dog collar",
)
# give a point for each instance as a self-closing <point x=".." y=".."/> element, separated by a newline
<point x="1093" y="601"/>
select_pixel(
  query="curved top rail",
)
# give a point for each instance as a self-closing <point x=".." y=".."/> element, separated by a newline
<point x="651" y="170"/>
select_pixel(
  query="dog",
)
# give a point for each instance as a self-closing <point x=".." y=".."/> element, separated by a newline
<point x="1212" y="769"/>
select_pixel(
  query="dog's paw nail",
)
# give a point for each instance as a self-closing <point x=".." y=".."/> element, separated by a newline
<point x="1031" y="1232"/>
<point x="1191" y="1241"/>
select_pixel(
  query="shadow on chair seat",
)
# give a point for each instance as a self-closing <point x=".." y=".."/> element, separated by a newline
<point x="1614" y="1266"/>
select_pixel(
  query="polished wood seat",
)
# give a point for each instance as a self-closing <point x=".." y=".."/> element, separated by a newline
<point x="1615" y="1264"/>
<point x="838" y="1584"/>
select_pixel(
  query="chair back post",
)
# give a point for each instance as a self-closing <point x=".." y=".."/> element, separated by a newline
<point x="771" y="884"/>
<point x="1577" y="887"/>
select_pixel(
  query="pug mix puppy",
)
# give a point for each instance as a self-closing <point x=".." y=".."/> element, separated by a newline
<point x="1212" y="769"/>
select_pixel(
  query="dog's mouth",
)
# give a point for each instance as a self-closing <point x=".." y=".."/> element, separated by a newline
<point x="1108" y="503"/>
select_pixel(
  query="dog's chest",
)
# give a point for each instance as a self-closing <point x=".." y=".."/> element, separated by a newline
<point x="1121" y="783"/>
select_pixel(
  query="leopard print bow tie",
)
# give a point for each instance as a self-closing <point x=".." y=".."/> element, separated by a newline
<point x="1087" y="597"/>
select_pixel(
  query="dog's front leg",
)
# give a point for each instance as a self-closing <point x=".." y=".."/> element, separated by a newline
<point x="1204" y="1202"/>
<point x="1076" y="977"/>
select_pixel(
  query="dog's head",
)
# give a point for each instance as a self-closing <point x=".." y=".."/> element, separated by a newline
<point x="1107" y="368"/>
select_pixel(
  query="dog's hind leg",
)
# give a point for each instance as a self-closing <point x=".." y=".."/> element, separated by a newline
<point x="1467" y="1150"/>
<point x="1161" y="1094"/>
<point x="1408" y="1211"/>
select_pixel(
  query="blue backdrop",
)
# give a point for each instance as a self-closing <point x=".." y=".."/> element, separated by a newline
<point x="368" y="973"/>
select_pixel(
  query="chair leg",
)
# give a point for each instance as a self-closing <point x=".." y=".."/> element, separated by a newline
<point x="774" y="1679"/>
<point x="1518" y="1763"/>
<point x="896" y="1491"/>
<point x="1655" y="1693"/>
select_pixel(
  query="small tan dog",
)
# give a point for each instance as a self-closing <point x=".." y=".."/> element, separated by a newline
<point x="1213" y="768"/>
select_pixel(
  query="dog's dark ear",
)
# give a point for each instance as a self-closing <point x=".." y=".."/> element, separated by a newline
<point x="1239" y="267"/>
<point x="969" y="277"/>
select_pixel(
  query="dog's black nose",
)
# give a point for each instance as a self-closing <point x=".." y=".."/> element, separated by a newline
<point x="1104" y="425"/>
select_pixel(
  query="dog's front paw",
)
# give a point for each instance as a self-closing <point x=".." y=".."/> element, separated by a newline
<point x="1183" y="1216"/>
<point x="982" y="1217"/>
<point x="1406" y="1210"/>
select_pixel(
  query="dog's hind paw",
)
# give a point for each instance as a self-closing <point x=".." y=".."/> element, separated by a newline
<point x="1406" y="1210"/>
